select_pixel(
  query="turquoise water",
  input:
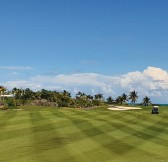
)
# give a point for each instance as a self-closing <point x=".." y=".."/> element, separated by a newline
<point x="163" y="104"/>
<point x="155" y="104"/>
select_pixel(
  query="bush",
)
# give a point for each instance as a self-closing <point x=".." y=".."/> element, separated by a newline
<point x="96" y="102"/>
<point x="12" y="103"/>
<point x="3" y="105"/>
<point x="44" y="102"/>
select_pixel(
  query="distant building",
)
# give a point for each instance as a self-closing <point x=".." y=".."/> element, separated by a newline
<point x="11" y="95"/>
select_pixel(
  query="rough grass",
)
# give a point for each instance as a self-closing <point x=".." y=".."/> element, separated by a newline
<point x="50" y="135"/>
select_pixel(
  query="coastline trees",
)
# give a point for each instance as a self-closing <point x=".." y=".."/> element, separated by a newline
<point x="64" y="98"/>
<point x="124" y="97"/>
<point x="133" y="97"/>
<point x="98" y="96"/>
<point x="110" y="100"/>
<point x="119" y="100"/>
<point x="17" y="93"/>
<point x="146" y="101"/>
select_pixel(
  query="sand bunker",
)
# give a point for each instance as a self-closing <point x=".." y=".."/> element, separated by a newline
<point x="123" y="108"/>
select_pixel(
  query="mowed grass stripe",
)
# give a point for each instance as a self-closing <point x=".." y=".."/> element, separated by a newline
<point x="49" y="135"/>
<point x="84" y="137"/>
<point x="132" y="120"/>
<point x="16" y="144"/>
<point x="14" y="126"/>
<point x="154" y="124"/>
<point x="144" y="137"/>
<point x="6" y="116"/>
<point x="139" y="128"/>
<point x="119" y="134"/>
<point x="49" y="144"/>
<point x="71" y="135"/>
<point x="103" y="139"/>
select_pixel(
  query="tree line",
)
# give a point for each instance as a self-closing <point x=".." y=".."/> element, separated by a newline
<point x="125" y="99"/>
<point x="63" y="99"/>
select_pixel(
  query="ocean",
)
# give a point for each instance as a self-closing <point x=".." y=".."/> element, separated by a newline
<point x="162" y="104"/>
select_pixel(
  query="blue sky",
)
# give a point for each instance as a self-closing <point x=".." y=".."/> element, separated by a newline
<point x="105" y="37"/>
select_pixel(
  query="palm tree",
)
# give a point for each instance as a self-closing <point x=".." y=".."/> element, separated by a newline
<point x="110" y="100"/>
<point x="1" y="87"/>
<point x="14" y="91"/>
<point x="146" y="101"/>
<point x="133" y="97"/>
<point x="66" y="93"/>
<point x="89" y="97"/>
<point x="119" y="100"/>
<point x="28" y="94"/>
<point x="38" y="95"/>
<point x="125" y="97"/>
<point x="99" y="96"/>
<point x="19" y="93"/>
<point x="83" y="95"/>
<point x="79" y="94"/>
<point x="2" y="91"/>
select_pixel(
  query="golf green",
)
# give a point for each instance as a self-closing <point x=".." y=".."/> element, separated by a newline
<point x="51" y="135"/>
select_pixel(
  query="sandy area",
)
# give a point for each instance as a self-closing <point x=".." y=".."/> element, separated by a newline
<point x="123" y="108"/>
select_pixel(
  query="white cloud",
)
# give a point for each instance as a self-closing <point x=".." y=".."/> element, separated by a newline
<point x="156" y="74"/>
<point x="152" y="82"/>
<point x="73" y="79"/>
<point x="22" y="84"/>
<point x="16" y="67"/>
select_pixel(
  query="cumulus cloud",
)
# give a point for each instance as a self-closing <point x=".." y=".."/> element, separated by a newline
<point x="152" y="82"/>
<point x="156" y="74"/>
<point x="22" y="84"/>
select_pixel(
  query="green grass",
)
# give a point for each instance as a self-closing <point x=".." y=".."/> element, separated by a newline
<point x="51" y="135"/>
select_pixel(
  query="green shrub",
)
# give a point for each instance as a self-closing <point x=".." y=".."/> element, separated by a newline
<point x="12" y="103"/>
<point x="3" y="105"/>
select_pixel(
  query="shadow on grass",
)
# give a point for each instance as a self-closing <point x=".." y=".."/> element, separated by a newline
<point x="45" y="135"/>
<point x="6" y="118"/>
<point x="101" y="137"/>
<point x="144" y="134"/>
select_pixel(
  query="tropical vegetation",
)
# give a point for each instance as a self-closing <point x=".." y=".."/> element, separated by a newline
<point x="64" y="99"/>
<point x="146" y="101"/>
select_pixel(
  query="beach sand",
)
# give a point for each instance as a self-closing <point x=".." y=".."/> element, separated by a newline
<point x="123" y="108"/>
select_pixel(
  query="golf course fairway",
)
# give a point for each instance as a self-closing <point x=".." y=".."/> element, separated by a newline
<point x="98" y="135"/>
